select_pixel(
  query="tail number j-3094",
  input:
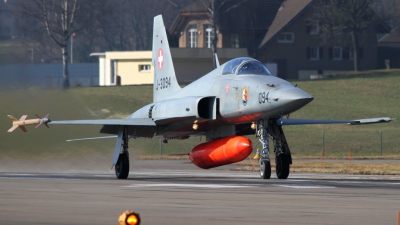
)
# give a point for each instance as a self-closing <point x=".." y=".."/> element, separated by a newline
<point x="163" y="83"/>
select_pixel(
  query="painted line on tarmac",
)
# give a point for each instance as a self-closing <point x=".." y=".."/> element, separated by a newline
<point x="210" y="186"/>
<point x="302" y="186"/>
<point x="189" y="174"/>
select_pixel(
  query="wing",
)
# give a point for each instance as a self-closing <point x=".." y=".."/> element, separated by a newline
<point x="116" y="122"/>
<point x="282" y="122"/>
<point x="138" y="127"/>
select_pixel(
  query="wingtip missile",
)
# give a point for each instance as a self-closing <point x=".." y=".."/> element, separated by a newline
<point x="22" y="122"/>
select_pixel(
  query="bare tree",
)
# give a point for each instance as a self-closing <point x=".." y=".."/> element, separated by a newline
<point x="343" y="20"/>
<point x="218" y="8"/>
<point x="58" y="19"/>
<point x="388" y="10"/>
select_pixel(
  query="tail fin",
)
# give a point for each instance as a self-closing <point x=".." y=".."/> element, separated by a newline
<point x="165" y="83"/>
<point x="12" y="117"/>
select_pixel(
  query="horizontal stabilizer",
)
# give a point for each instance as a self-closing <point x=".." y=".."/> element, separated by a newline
<point x="282" y="122"/>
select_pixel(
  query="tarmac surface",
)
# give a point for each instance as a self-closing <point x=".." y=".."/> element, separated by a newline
<point x="176" y="192"/>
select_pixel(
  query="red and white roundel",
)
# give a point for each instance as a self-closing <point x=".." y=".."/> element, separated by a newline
<point x="160" y="57"/>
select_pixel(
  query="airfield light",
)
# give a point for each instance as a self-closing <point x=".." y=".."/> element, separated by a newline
<point x="133" y="219"/>
<point x="129" y="217"/>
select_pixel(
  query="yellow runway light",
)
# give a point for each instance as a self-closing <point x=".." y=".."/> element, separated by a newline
<point x="129" y="217"/>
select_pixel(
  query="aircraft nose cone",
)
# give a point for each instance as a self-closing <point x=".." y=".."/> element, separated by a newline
<point x="295" y="98"/>
<point x="295" y="94"/>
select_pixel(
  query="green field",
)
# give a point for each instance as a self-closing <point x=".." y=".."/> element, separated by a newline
<point x="344" y="97"/>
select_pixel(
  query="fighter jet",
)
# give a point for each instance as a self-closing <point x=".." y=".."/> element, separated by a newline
<point x="238" y="98"/>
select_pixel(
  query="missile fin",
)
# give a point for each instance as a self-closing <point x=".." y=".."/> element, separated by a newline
<point x="12" y="117"/>
<point x="12" y="128"/>
<point x="23" y="117"/>
<point x="23" y="128"/>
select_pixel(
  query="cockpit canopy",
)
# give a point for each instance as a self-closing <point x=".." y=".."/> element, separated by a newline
<point x="242" y="66"/>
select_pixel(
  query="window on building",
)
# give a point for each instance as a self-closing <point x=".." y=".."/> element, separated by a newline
<point x="337" y="53"/>
<point x="234" y="41"/>
<point x="286" y="38"/>
<point x="209" y="35"/>
<point x="192" y="36"/>
<point x="314" y="53"/>
<point x="337" y="30"/>
<point x="144" y="68"/>
<point x="360" y="53"/>
<point x="313" y="27"/>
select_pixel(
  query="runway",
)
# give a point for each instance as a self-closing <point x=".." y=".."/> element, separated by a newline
<point x="175" y="192"/>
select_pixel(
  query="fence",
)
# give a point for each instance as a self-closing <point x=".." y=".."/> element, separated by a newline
<point x="338" y="143"/>
<point x="48" y="75"/>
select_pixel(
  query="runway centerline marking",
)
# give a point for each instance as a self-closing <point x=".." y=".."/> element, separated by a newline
<point x="187" y="185"/>
<point x="302" y="186"/>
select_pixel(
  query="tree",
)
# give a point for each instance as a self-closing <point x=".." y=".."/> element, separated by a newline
<point x="344" y="20"/>
<point x="388" y="10"/>
<point x="56" y="18"/>
<point x="218" y="8"/>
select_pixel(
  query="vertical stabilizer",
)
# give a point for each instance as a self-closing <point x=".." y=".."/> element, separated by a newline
<point x="165" y="83"/>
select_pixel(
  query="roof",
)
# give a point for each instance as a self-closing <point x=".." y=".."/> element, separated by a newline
<point x="260" y="14"/>
<point x="288" y="12"/>
<point x="197" y="6"/>
<point x="392" y="37"/>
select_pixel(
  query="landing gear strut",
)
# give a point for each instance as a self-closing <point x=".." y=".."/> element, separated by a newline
<point x="265" y="163"/>
<point x="122" y="165"/>
<point x="283" y="158"/>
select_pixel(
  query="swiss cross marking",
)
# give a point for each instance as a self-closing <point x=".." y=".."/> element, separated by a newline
<point x="160" y="59"/>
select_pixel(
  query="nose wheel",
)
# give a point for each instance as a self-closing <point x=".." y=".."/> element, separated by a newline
<point x="265" y="169"/>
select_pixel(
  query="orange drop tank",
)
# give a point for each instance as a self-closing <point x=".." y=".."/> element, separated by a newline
<point x="221" y="152"/>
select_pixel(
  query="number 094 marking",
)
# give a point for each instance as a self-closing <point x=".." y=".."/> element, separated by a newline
<point x="263" y="97"/>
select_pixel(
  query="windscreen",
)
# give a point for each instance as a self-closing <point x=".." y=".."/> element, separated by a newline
<point x="241" y="66"/>
<point x="253" y="67"/>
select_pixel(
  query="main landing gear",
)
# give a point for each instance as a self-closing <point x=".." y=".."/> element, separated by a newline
<point x="283" y="158"/>
<point x="122" y="165"/>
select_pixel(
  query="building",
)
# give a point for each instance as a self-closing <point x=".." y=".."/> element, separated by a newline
<point x="389" y="50"/>
<point x="279" y="33"/>
<point x="135" y="67"/>
<point x="123" y="68"/>
<point x="293" y="41"/>
<point x="193" y="27"/>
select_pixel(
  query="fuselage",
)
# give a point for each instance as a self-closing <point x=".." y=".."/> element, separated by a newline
<point x="243" y="96"/>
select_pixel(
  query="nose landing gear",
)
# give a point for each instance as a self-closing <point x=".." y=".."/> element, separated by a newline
<point x="283" y="157"/>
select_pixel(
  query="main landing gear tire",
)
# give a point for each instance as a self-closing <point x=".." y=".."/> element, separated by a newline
<point x="265" y="169"/>
<point x="282" y="166"/>
<point x="122" y="167"/>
